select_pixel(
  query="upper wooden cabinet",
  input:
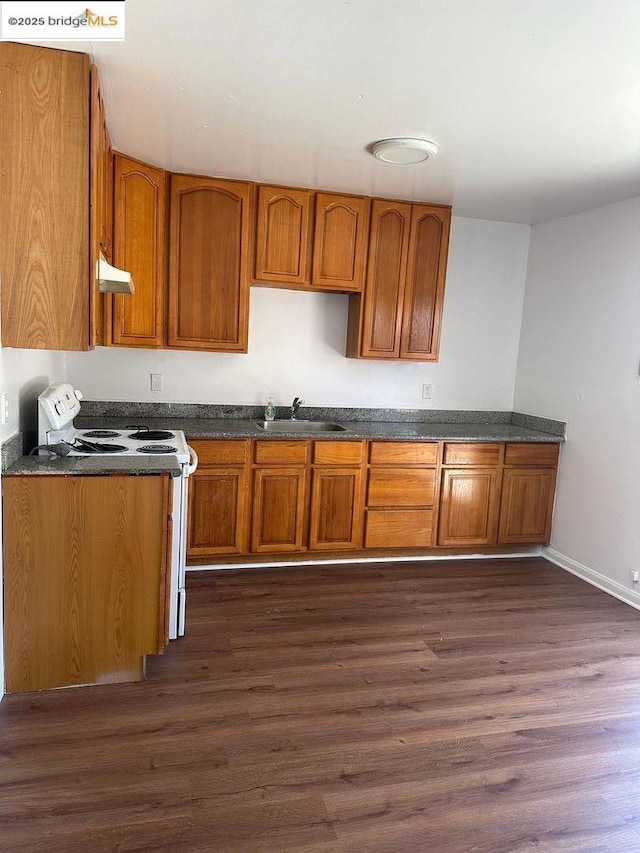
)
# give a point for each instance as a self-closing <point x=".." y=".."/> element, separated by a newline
<point x="44" y="192"/>
<point x="139" y="246"/>
<point x="400" y="313"/>
<point x="310" y="240"/>
<point x="340" y="241"/>
<point x="283" y="223"/>
<point x="209" y="257"/>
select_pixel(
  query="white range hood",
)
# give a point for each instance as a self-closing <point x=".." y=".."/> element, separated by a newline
<point x="114" y="280"/>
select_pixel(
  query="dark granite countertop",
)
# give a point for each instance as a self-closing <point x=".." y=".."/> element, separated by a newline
<point x="195" y="428"/>
<point x="216" y="421"/>
<point x="92" y="465"/>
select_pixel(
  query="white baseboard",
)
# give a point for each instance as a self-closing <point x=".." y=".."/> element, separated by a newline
<point x="618" y="590"/>
<point x="530" y="552"/>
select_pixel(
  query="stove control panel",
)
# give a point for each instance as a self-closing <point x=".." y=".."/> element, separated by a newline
<point x="58" y="405"/>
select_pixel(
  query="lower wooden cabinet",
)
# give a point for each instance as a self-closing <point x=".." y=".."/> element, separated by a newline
<point x="85" y="578"/>
<point x="469" y="507"/>
<point x="218" y="510"/>
<point x="528" y="491"/>
<point x="219" y="499"/>
<point x="336" y="509"/>
<point x="336" y="516"/>
<point x="283" y="496"/>
<point x="279" y="501"/>
<point x="401" y="494"/>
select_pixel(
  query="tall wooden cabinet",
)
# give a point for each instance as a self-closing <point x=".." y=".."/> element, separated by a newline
<point x="44" y="192"/>
<point x="399" y="314"/>
<point x="139" y="246"/>
<point x="209" y="263"/>
<point x="101" y="204"/>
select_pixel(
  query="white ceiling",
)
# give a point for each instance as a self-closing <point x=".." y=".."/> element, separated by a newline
<point x="535" y="103"/>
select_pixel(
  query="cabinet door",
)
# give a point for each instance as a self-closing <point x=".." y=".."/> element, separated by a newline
<point x="469" y="507"/>
<point x="340" y="241"/>
<point x="336" y="509"/>
<point x="101" y="201"/>
<point x="279" y="500"/>
<point x="218" y="512"/>
<point x="209" y="261"/>
<point x="139" y="247"/>
<point x="527" y="505"/>
<point x="383" y="295"/>
<point x="424" y="291"/>
<point x="84" y="578"/>
<point x="282" y="235"/>
<point x="44" y="198"/>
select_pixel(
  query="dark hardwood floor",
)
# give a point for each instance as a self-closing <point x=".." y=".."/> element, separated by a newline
<point x="444" y="707"/>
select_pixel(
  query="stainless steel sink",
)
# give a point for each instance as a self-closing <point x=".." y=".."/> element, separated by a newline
<point x="300" y="426"/>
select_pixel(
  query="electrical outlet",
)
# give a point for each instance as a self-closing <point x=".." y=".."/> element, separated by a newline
<point x="4" y="408"/>
<point x="635" y="576"/>
<point x="156" y="381"/>
<point x="426" y="391"/>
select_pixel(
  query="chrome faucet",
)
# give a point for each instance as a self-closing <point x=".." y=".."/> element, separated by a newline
<point x="297" y="402"/>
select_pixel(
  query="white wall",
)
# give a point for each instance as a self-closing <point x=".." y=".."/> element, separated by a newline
<point x="23" y="374"/>
<point x="297" y="341"/>
<point x="579" y="361"/>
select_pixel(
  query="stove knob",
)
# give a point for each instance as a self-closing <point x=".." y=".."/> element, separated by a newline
<point x="61" y="408"/>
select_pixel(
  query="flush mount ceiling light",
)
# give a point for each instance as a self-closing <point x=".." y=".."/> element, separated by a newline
<point x="404" y="151"/>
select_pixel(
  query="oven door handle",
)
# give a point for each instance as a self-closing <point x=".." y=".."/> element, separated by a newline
<point x="193" y="460"/>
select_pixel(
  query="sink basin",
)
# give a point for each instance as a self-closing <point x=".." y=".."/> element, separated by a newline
<point x="300" y="426"/>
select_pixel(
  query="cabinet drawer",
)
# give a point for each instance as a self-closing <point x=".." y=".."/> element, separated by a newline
<point x="409" y="487"/>
<point x="471" y="453"/>
<point x="276" y="452"/>
<point x="399" y="528"/>
<point x="531" y="454"/>
<point x="220" y="452"/>
<point x="403" y="453"/>
<point x="338" y="452"/>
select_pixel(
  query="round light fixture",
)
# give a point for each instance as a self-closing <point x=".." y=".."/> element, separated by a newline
<point x="404" y="151"/>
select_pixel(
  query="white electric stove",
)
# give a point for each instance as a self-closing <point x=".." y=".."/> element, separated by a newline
<point x="59" y="404"/>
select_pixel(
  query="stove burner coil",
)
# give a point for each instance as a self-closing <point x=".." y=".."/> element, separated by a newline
<point x="97" y="447"/>
<point x="145" y="434"/>
<point x="101" y="433"/>
<point x="156" y="448"/>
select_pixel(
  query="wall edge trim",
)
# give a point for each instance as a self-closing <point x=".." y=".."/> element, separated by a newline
<point x="593" y="577"/>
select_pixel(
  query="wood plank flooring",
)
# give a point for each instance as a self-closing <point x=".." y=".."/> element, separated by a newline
<point x="443" y="707"/>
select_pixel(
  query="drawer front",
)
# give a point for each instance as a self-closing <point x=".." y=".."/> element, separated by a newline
<point x="399" y="528"/>
<point x="471" y="453"/>
<point x="403" y="453"/>
<point x="410" y="487"/>
<point x="531" y="454"/>
<point x="220" y="452"/>
<point x="338" y="452"/>
<point x="277" y="452"/>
